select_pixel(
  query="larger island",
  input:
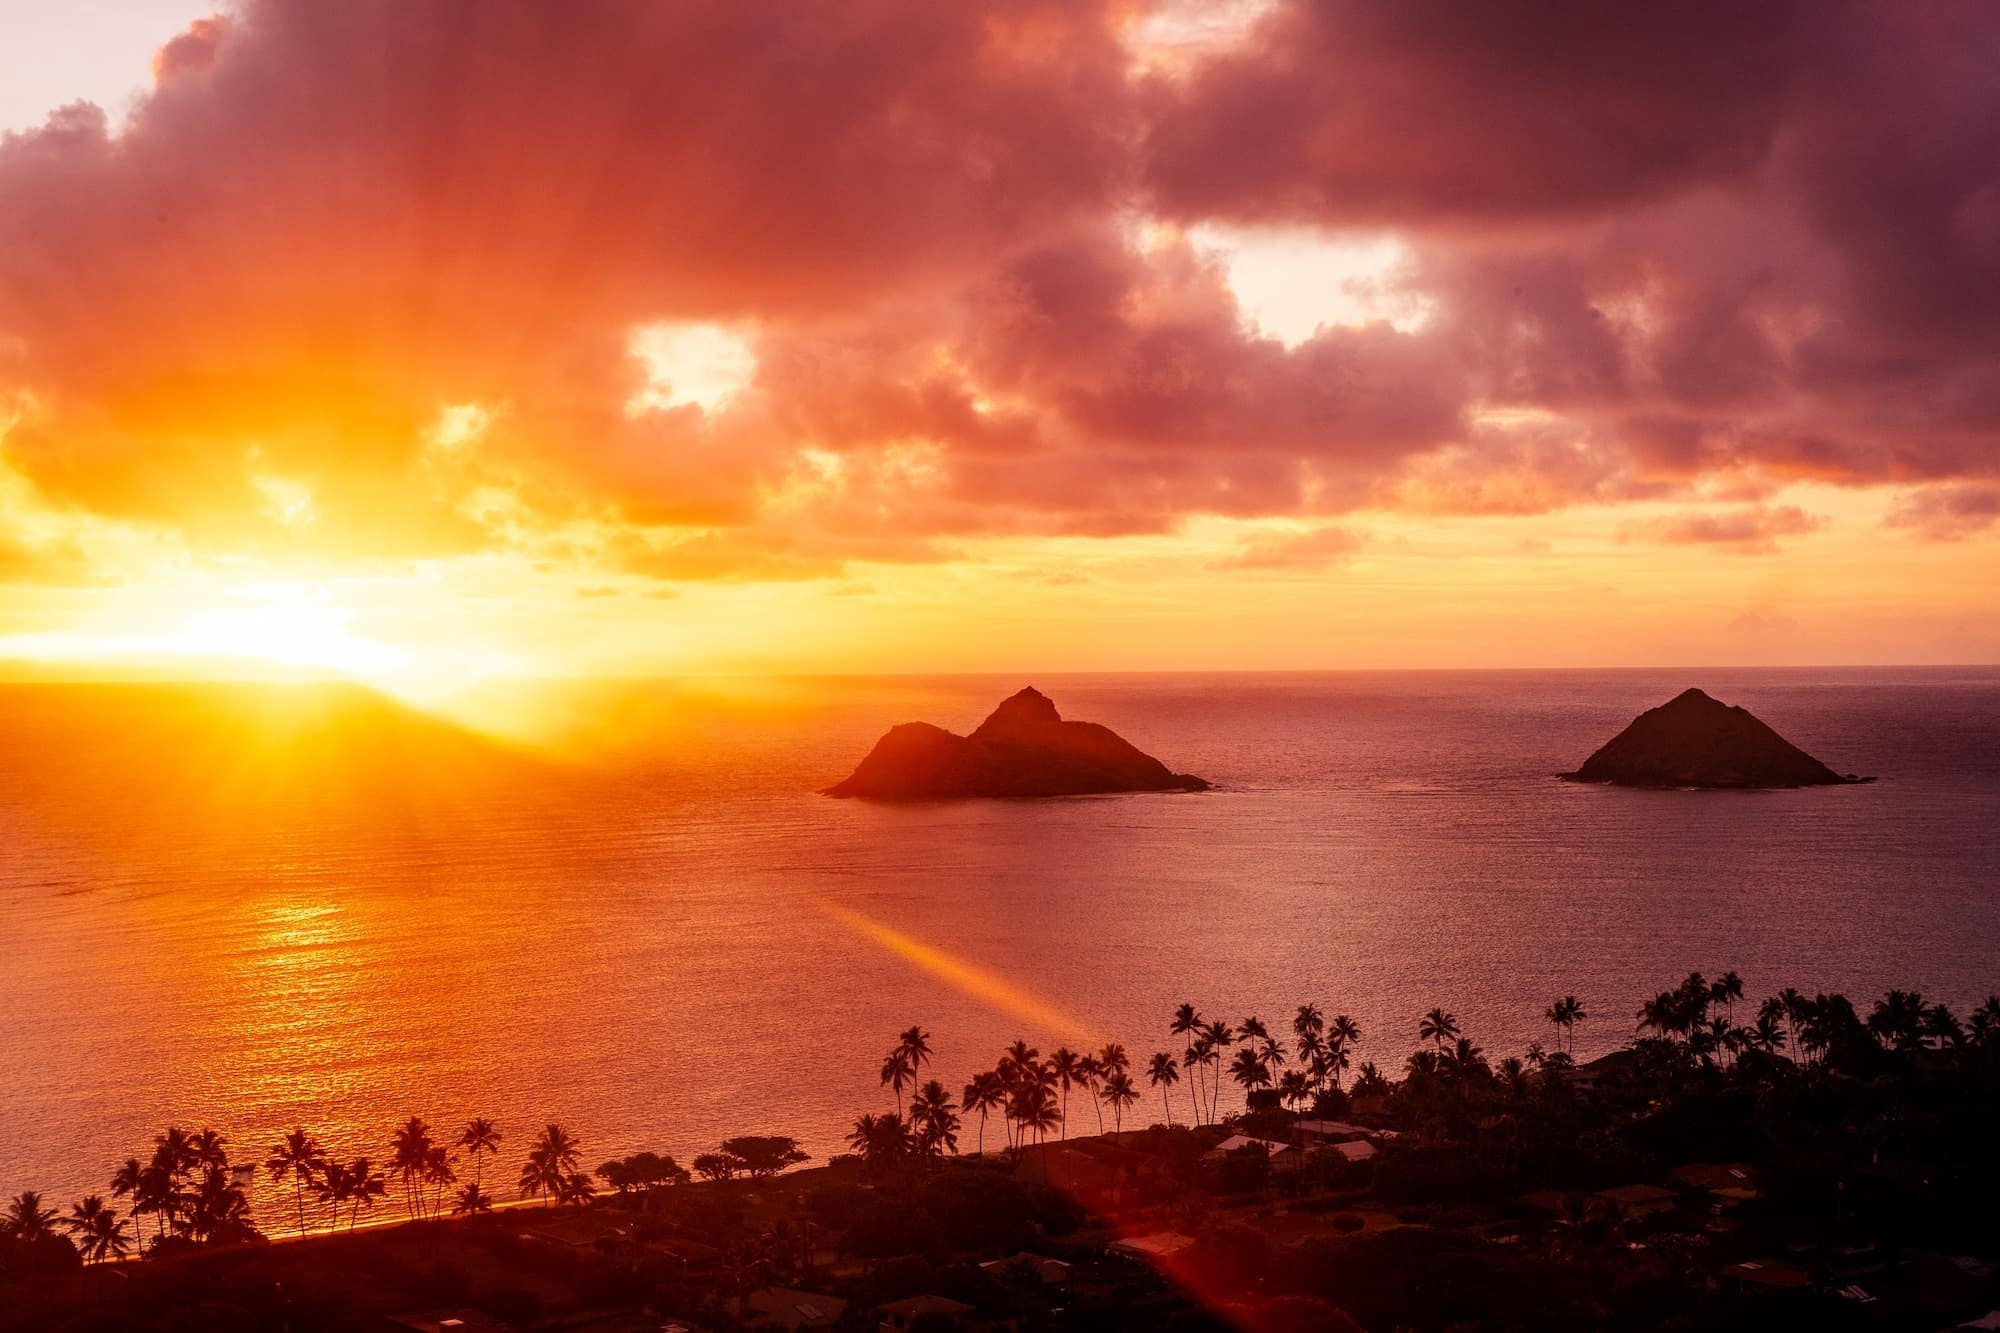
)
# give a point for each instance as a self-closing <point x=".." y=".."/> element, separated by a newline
<point x="1025" y="748"/>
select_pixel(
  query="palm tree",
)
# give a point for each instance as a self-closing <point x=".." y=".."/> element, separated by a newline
<point x="479" y="1137"/>
<point x="220" y="1211"/>
<point x="1307" y="1025"/>
<point x="1249" y="1071"/>
<point x="472" y="1199"/>
<point x="1345" y="1030"/>
<point x="916" y="1044"/>
<point x="1437" y="1027"/>
<point x="1726" y="990"/>
<point x="1186" y="1024"/>
<point x="299" y="1156"/>
<point x="880" y="1140"/>
<point x="1162" y="1073"/>
<point x="1566" y="1013"/>
<point x="97" y="1230"/>
<point x="896" y="1072"/>
<point x="1220" y="1038"/>
<point x="554" y="1157"/>
<point x="984" y="1093"/>
<point x="1063" y="1064"/>
<point x="130" y="1181"/>
<point x="26" y="1220"/>
<point x="1293" y="1089"/>
<point x="410" y="1152"/>
<point x="1986" y="1022"/>
<point x="1897" y="1020"/>
<point x="438" y="1174"/>
<point x="1119" y="1094"/>
<point x="935" y="1119"/>
<point x="1088" y="1073"/>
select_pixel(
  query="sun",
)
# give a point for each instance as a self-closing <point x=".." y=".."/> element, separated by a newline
<point x="286" y="632"/>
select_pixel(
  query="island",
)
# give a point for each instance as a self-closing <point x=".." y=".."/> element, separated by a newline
<point x="1024" y="749"/>
<point x="1694" y="740"/>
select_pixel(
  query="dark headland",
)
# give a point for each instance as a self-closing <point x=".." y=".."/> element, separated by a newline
<point x="1024" y="749"/>
<point x="1696" y="741"/>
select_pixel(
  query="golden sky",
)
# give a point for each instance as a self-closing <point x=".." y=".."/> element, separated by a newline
<point x="432" y="342"/>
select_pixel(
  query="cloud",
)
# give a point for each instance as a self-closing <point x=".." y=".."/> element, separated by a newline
<point x="770" y="289"/>
<point x="1947" y="513"/>
<point x="1748" y="531"/>
<point x="1312" y="549"/>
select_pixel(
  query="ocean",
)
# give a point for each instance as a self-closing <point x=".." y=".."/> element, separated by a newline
<point x="220" y="909"/>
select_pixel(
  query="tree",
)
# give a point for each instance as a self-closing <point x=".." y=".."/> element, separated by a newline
<point x="26" y="1220"/>
<point x="1565" y="1014"/>
<point x="716" y="1166"/>
<point x="1219" y="1037"/>
<point x="410" y="1152"/>
<point x="479" y="1138"/>
<point x="472" y="1200"/>
<point x="1064" y="1065"/>
<point x="1437" y="1027"/>
<point x="916" y="1044"/>
<point x="219" y="1211"/>
<point x="879" y="1140"/>
<point x="1119" y="1094"/>
<point x="984" y="1093"/>
<point x="1162" y="1073"/>
<point x="554" y="1157"/>
<point x="299" y="1156"/>
<point x="365" y="1184"/>
<point x="97" y="1231"/>
<point x="896" y="1072"/>
<point x="1089" y="1074"/>
<point x="761" y="1156"/>
<point x="1186" y="1024"/>
<point x="934" y="1119"/>
<point x="132" y="1181"/>
<point x="1250" y="1071"/>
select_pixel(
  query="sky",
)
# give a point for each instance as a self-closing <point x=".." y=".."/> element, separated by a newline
<point x="427" y="340"/>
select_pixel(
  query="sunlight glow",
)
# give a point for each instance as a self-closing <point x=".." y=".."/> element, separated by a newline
<point x="989" y="989"/>
<point x="698" y="365"/>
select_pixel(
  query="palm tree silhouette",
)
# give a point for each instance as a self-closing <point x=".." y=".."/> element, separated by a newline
<point x="410" y="1151"/>
<point x="130" y="1181"/>
<point x="1186" y="1024"/>
<point x="1249" y="1071"/>
<point x="1220" y="1037"/>
<point x="896" y="1072"/>
<point x="984" y="1093"/>
<point x="1119" y="1093"/>
<point x="1088" y="1073"/>
<point x="1437" y="1027"/>
<point x="916" y="1044"/>
<point x="553" y="1158"/>
<point x="935" y="1119"/>
<point x="472" y="1199"/>
<point x="299" y="1156"/>
<point x="479" y="1138"/>
<point x="1064" y="1064"/>
<point x="97" y="1230"/>
<point x="26" y="1220"/>
<point x="1163" y="1073"/>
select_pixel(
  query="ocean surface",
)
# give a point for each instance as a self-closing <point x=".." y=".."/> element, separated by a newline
<point x="218" y="911"/>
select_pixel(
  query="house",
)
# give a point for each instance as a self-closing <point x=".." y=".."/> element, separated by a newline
<point x="1729" y="1180"/>
<point x="1051" y="1272"/>
<point x="1354" y="1150"/>
<point x="782" y="1307"/>
<point x="1635" y="1201"/>
<point x="1768" y="1274"/>
<point x="454" y="1321"/>
<point x="1341" y="1129"/>
<point x="1158" y="1245"/>
<point x="933" y="1310"/>
<point x="1284" y="1156"/>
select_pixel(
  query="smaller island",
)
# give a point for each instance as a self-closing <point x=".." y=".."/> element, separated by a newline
<point x="1024" y="749"/>
<point x="1694" y="740"/>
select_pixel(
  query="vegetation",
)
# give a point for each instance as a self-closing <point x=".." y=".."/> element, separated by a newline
<point x="1865" y="1130"/>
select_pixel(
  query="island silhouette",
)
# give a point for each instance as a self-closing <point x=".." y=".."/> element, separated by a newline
<point x="1024" y="748"/>
<point x="1695" y="740"/>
